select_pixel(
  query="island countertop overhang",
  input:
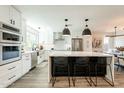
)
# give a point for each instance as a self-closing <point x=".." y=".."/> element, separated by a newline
<point x="77" y="54"/>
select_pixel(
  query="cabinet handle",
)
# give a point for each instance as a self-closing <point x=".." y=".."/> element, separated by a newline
<point x="27" y="59"/>
<point x="12" y="77"/>
<point x="11" y="21"/>
<point x="26" y="55"/>
<point x="12" y="68"/>
<point x="22" y="38"/>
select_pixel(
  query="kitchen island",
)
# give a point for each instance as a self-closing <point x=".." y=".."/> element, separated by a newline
<point x="75" y="54"/>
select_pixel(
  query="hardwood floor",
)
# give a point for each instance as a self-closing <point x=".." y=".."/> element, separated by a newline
<point x="38" y="78"/>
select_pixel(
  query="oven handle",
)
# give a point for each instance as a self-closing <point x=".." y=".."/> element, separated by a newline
<point x="3" y="44"/>
<point x="6" y="31"/>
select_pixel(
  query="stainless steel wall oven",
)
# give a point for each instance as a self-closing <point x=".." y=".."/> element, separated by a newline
<point x="9" y="34"/>
<point x="10" y="44"/>
<point x="9" y="53"/>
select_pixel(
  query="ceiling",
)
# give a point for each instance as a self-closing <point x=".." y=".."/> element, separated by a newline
<point x="101" y="18"/>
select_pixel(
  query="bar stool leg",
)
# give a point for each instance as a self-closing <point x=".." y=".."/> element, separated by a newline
<point x="73" y="78"/>
<point x="88" y="73"/>
<point x="53" y="78"/>
<point x="95" y="70"/>
<point x="69" y="75"/>
<point x="96" y="73"/>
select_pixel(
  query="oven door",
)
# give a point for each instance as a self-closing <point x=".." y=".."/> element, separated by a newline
<point x="9" y="37"/>
<point x="9" y="53"/>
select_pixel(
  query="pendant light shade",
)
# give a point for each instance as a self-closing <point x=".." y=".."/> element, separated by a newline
<point x="86" y="30"/>
<point x="66" y="31"/>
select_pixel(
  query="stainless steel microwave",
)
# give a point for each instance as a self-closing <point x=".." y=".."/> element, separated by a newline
<point x="9" y="34"/>
<point x="9" y="53"/>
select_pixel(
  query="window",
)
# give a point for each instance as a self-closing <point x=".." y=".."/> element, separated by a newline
<point x="32" y="38"/>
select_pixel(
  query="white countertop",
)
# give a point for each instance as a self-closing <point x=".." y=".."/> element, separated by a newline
<point x="78" y="53"/>
<point x="27" y="52"/>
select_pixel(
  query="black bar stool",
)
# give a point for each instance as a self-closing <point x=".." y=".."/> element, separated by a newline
<point x="102" y="62"/>
<point x="81" y="64"/>
<point x="93" y="69"/>
<point x="60" y="62"/>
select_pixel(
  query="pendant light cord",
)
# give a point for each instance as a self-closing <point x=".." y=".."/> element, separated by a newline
<point x="115" y="29"/>
<point x="66" y="20"/>
<point x="86" y="20"/>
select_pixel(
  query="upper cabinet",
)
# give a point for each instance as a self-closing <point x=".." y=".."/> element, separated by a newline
<point x="4" y="14"/>
<point x="15" y="17"/>
<point x="10" y="15"/>
<point x="23" y="28"/>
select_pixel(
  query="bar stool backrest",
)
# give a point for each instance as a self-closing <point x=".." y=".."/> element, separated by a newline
<point x="102" y="60"/>
<point x="82" y="60"/>
<point x="60" y="60"/>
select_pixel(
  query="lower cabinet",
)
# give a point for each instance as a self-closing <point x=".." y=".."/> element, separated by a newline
<point x="26" y="63"/>
<point x="41" y="56"/>
<point x="10" y="73"/>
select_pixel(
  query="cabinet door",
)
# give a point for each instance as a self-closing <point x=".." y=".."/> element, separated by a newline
<point x="26" y="60"/>
<point x="15" y="15"/>
<point x="23" y="27"/>
<point x="4" y="14"/>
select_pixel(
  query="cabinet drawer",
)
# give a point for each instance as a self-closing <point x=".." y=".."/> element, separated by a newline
<point x="2" y="82"/>
<point x="12" y="77"/>
<point x="10" y="73"/>
<point x="26" y="56"/>
<point x="8" y="68"/>
<point x="7" y="79"/>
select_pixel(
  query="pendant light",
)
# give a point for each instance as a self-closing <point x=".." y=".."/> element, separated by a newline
<point x="86" y="30"/>
<point x="66" y="31"/>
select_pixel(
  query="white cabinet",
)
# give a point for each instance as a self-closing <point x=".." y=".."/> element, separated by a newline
<point x="23" y="27"/>
<point x="10" y="73"/>
<point x="41" y="56"/>
<point x="46" y="54"/>
<point x="10" y="16"/>
<point x="15" y="17"/>
<point x="26" y="61"/>
<point x="4" y="14"/>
